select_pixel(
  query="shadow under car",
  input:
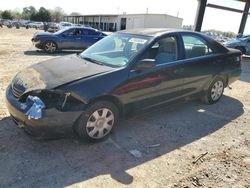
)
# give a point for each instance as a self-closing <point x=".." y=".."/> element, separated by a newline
<point x="65" y="162"/>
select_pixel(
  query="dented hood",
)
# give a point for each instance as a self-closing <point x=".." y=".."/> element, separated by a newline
<point x="56" y="72"/>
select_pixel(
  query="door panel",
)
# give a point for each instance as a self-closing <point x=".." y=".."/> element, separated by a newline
<point x="201" y="63"/>
<point x="149" y="88"/>
<point x="89" y="37"/>
<point x="162" y="83"/>
<point x="199" y="71"/>
<point x="71" y="39"/>
<point x="169" y="88"/>
<point x="88" y="40"/>
<point x="71" y="42"/>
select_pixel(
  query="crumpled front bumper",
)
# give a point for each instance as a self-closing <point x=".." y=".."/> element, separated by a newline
<point x="37" y="43"/>
<point x="54" y="123"/>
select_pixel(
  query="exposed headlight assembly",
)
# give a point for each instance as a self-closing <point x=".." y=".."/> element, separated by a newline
<point x="33" y="107"/>
<point x="36" y="101"/>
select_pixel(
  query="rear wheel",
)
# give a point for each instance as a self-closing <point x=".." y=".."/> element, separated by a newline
<point x="97" y="122"/>
<point x="215" y="91"/>
<point x="49" y="47"/>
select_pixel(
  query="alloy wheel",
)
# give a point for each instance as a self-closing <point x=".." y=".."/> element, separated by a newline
<point x="50" y="47"/>
<point x="100" y="123"/>
<point x="217" y="90"/>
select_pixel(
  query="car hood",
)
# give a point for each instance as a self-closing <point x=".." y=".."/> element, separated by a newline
<point x="41" y="33"/>
<point x="56" y="72"/>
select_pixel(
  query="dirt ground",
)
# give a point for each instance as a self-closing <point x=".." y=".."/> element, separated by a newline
<point x="181" y="145"/>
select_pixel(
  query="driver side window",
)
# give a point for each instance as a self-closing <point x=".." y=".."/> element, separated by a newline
<point x="73" y="32"/>
<point x="163" y="51"/>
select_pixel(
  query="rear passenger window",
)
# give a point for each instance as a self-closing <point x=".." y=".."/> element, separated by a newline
<point x="195" y="47"/>
<point x="90" y="32"/>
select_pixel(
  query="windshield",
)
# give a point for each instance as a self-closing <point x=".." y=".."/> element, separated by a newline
<point x="115" y="50"/>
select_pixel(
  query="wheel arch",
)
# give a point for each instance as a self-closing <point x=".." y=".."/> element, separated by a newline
<point x="223" y="75"/>
<point x="50" y="40"/>
<point x="109" y="98"/>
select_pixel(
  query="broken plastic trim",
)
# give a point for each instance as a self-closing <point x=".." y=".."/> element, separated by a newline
<point x="58" y="99"/>
<point x="65" y="99"/>
<point x="33" y="107"/>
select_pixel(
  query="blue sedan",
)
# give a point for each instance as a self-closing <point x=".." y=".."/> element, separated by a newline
<point x="242" y="44"/>
<point x="71" y="38"/>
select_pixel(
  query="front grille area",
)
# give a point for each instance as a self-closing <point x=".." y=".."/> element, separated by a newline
<point x="17" y="90"/>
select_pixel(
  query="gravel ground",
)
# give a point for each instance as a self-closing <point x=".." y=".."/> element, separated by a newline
<point x="180" y="145"/>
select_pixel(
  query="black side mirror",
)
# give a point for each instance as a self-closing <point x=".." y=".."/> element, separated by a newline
<point x="145" y="64"/>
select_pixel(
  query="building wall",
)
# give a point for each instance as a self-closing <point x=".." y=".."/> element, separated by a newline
<point x="134" y="21"/>
<point x="165" y="21"/>
<point x="151" y="21"/>
<point x="113" y="22"/>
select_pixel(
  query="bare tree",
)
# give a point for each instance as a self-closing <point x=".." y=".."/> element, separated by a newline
<point x="57" y="14"/>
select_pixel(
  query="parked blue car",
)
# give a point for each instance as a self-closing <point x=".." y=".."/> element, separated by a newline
<point x="242" y="44"/>
<point x="69" y="38"/>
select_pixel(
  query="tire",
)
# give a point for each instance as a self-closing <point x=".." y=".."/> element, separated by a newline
<point x="49" y="47"/>
<point x="97" y="122"/>
<point x="215" y="91"/>
<point x="242" y="50"/>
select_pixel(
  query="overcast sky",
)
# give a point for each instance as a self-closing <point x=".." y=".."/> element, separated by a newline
<point x="186" y="9"/>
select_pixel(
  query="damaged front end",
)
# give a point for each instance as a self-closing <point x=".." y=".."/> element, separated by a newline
<point x="33" y="107"/>
<point x="46" y="113"/>
<point x="47" y="99"/>
<point x="38" y="99"/>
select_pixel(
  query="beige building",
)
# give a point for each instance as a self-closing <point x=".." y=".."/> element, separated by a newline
<point x="126" y="21"/>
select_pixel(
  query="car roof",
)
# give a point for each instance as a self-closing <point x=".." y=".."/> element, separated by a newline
<point x="150" y="31"/>
<point x="82" y="27"/>
<point x="154" y="32"/>
<point x="157" y="32"/>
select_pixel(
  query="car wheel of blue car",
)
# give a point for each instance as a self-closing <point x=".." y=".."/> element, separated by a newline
<point x="97" y="122"/>
<point x="49" y="47"/>
<point x="215" y="91"/>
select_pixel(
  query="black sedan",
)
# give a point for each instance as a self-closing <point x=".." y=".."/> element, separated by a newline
<point x="70" y="38"/>
<point x="124" y="72"/>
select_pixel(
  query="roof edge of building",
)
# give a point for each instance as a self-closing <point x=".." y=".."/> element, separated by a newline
<point x="85" y="15"/>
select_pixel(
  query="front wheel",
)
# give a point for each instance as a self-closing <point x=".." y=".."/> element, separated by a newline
<point x="49" y="47"/>
<point x="97" y="122"/>
<point x="215" y="91"/>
